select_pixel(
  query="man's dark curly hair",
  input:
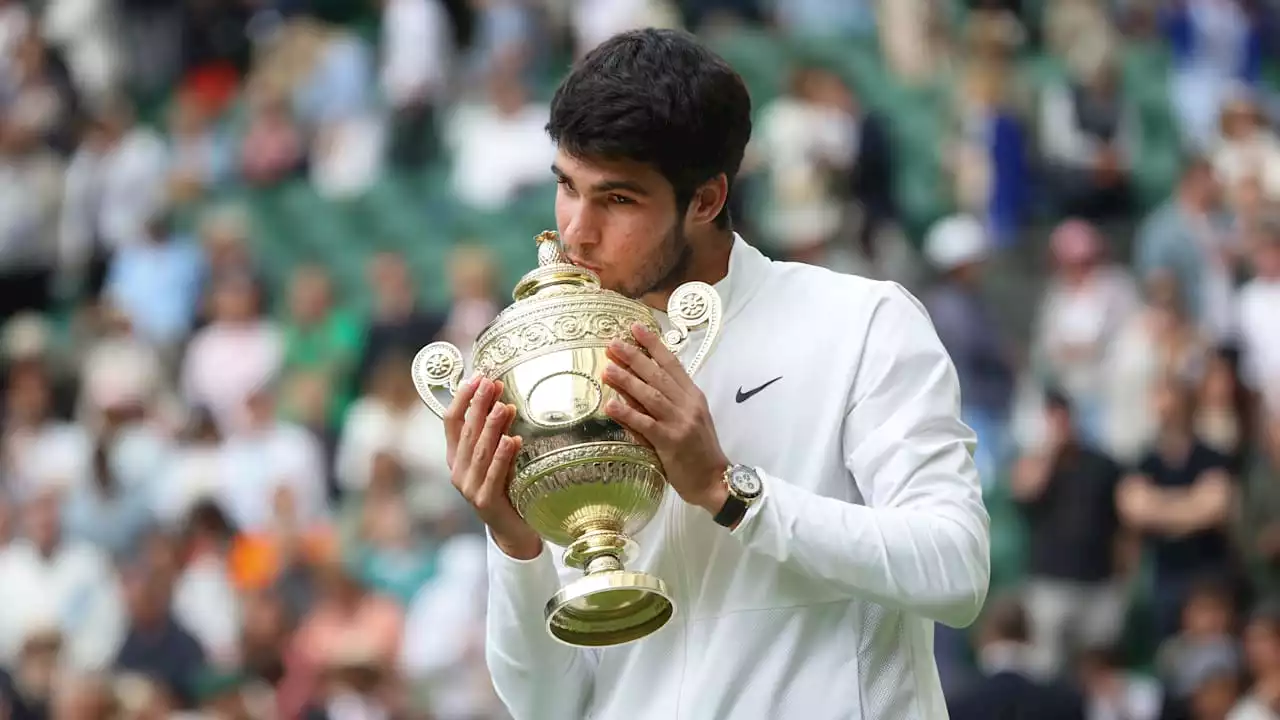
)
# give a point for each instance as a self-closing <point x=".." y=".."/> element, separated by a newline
<point x="657" y="97"/>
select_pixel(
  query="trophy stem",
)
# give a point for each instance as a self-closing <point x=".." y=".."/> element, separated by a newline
<point x="603" y="563"/>
<point x="596" y="551"/>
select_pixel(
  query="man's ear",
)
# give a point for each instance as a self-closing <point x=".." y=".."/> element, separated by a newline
<point x="708" y="200"/>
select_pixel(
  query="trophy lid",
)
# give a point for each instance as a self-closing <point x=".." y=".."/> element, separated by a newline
<point x="554" y="270"/>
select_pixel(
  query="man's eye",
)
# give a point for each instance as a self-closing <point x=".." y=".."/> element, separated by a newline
<point x="619" y="200"/>
<point x="564" y="183"/>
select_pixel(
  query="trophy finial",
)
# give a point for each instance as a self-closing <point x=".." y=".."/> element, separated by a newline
<point x="550" y="251"/>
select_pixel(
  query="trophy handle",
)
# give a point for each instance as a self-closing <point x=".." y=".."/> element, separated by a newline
<point x="437" y="374"/>
<point x="691" y="306"/>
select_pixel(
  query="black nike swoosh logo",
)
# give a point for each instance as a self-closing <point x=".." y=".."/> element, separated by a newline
<point x="745" y="396"/>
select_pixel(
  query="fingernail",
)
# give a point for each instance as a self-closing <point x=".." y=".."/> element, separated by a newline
<point x="497" y="410"/>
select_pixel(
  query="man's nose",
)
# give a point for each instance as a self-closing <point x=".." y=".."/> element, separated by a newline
<point x="580" y="234"/>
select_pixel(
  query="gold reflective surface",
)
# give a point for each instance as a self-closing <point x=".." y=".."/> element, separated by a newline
<point x="582" y="481"/>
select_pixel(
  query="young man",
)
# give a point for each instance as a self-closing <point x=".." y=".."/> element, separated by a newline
<point x="825" y="510"/>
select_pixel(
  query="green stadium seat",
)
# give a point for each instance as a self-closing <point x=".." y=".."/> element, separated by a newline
<point x="760" y="58"/>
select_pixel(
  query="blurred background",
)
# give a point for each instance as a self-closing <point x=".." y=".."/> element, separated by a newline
<point x="226" y="226"/>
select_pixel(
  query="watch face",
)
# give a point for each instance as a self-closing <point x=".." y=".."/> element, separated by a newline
<point x="745" y="482"/>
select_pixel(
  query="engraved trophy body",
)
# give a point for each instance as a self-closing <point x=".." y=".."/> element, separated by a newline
<point x="582" y="481"/>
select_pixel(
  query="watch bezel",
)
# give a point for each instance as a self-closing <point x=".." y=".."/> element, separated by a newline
<point x="731" y="477"/>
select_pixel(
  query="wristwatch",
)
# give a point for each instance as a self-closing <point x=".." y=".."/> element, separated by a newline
<point x="744" y="486"/>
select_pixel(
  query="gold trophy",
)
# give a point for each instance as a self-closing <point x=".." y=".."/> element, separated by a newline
<point x="582" y="481"/>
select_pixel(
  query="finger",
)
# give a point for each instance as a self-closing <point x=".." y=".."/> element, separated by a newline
<point x="498" y="478"/>
<point x="633" y="419"/>
<point x="665" y="359"/>
<point x="456" y="415"/>
<point x="644" y="367"/>
<point x="646" y="397"/>
<point x="482" y="455"/>
<point x="481" y="404"/>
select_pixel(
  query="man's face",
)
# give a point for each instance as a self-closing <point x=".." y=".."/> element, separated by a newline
<point x="619" y="219"/>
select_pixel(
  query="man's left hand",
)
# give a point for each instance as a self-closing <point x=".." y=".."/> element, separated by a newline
<point x="664" y="407"/>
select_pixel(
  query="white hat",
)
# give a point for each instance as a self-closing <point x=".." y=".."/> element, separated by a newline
<point x="955" y="241"/>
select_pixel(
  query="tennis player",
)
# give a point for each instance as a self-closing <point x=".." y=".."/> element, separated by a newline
<point x="824" y="510"/>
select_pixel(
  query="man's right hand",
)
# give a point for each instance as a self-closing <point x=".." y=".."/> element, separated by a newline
<point x="481" y="459"/>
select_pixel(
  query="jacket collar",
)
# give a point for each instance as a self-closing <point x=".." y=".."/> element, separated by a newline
<point x="748" y="268"/>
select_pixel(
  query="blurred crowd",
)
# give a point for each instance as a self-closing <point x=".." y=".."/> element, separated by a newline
<point x="221" y="497"/>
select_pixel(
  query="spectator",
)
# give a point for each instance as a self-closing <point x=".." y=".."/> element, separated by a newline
<point x="1179" y="499"/>
<point x="202" y="159"/>
<point x="1247" y="147"/>
<point x="87" y="34"/>
<point x="30" y="195"/>
<point x="1084" y="308"/>
<point x="1011" y="686"/>
<point x="392" y="420"/>
<point x="400" y="324"/>
<point x="1088" y="136"/>
<point x="1259" y="522"/>
<point x="1215" y="44"/>
<point x="194" y="472"/>
<point x="1185" y="238"/>
<point x="115" y="183"/>
<point x="987" y="161"/>
<point x="807" y="144"/>
<point x="107" y="513"/>
<point x="595" y="22"/>
<point x="224" y="234"/>
<point x="156" y="645"/>
<point x="957" y="247"/>
<point x="156" y="283"/>
<point x="204" y="598"/>
<point x="1158" y="341"/>
<point x="1224" y="409"/>
<point x="1260" y="344"/>
<point x="390" y="556"/>
<point x="417" y="48"/>
<point x="119" y="370"/>
<point x="271" y="150"/>
<point x="472" y="278"/>
<point x="265" y="457"/>
<point x="1193" y="662"/>
<point x="268" y="655"/>
<point x="1067" y="492"/>
<point x="28" y="693"/>
<point x="1114" y="693"/>
<point x="348" y="621"/>
<point x="499" y="147"/>
<point x="444" y="635"/>
<point x="50" y="580"/>
<point x="236" y="353"/>
<point x="321" y="337"/>
<point x="1262" y="651"/>
<point x="41" y="452"/>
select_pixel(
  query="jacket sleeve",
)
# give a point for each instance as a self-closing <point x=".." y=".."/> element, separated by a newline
<point x="536" y="677"/>
<point x="921" y="541"/>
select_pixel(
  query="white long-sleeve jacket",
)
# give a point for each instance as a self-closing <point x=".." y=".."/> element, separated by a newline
<point x="820" y="605"/>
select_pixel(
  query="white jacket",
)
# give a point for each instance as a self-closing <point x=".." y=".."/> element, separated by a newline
<point x="821" y="604"/>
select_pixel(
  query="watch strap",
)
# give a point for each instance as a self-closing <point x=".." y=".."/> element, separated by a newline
<point x="732" y="512"/>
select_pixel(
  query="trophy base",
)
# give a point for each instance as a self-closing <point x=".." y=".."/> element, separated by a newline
<point x="609" y="608"/>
